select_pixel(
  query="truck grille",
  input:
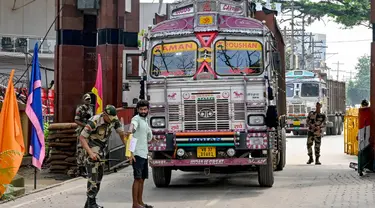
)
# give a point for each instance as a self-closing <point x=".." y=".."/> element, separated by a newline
<point x="206" y="114"/>
<point x="297" y="109"/>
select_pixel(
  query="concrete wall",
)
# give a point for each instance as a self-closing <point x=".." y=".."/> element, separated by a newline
<point x="32" y="20"/>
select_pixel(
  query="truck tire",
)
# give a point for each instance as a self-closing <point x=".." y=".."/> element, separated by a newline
<point x="282" y="151"/>
<point x="328" y="131"/>
<point x="161" y="176"/>
<point x="265" y="172"/>
<point x="340" y="125"/>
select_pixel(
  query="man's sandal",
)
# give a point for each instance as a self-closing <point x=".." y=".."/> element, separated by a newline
<point x="148" y="206"/>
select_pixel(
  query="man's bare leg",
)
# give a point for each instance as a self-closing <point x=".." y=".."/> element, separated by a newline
<point x="135" y="192"/>
<point x="140" y="192"/>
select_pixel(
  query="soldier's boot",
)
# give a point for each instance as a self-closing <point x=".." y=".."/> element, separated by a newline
<point x="317" y="162"/>
<point x="92" y="203"/>
<point x="311" y="160"/>
<point x="87" y="203"/>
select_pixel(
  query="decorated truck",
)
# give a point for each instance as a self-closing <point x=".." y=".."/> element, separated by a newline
<point x="303" y="90"/>
<point x="215" y="78"/>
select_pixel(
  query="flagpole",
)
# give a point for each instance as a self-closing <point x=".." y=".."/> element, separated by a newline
<point x="34" y="110"/>
<point x="34" y="177"/>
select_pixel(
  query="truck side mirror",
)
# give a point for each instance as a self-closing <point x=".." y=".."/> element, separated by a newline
<point x="276" y="61"/>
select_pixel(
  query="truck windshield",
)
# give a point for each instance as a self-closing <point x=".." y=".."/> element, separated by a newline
<point x="310" y="90"/>
<point x="290" y="90"/>
<point x="174" y="59"/>
<point x="237" y="57"/>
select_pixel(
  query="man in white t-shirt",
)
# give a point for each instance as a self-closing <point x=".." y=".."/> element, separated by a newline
<point x="141" y="130"/>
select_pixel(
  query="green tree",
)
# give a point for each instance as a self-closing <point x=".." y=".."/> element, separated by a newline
<point x="359" y="88"/>
<point x="349" y="13"/>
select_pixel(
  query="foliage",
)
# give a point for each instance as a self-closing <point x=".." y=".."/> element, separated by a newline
<point x="359" y="88"/>
<point x="46" y="134"/>
<point x="6" y="171"/>
<point x="348" y="13"/>
<point x="46" y="131"/>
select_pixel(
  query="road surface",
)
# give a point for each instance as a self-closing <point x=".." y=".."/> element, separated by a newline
<point x="331" y="185"/>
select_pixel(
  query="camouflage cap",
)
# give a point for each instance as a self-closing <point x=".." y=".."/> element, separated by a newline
<point x="111" y="111"/>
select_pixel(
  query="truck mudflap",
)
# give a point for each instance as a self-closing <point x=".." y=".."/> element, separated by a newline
<point x="208" y="162"/>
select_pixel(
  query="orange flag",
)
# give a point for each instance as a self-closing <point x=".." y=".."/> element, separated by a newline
<point x="12" y="146"/>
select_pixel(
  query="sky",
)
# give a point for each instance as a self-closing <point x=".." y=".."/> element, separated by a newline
<point x="350" y="44"/>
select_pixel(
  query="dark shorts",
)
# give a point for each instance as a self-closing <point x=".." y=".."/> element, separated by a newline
<point x="140" y="167"/>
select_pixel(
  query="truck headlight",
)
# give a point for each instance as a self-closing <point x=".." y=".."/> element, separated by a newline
<point x="256" y="120"/>
<point x="158" y="122"/>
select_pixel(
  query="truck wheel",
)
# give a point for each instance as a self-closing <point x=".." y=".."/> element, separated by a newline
<point x="339" y="125"/>
<point x="282" y="151"/>
<point x="328" y="131"/>
<point x="265" y="172"/>
<point x="161" y="176"/>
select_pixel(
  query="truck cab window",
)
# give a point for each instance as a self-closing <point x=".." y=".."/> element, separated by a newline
<point x="174" y="60"/>
<point x="290" y="90"/>
<point x="237" y="57"/>
<point x="310" y="90"/>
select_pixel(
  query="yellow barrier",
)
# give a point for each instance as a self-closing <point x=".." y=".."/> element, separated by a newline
<point x="351" y="131"/>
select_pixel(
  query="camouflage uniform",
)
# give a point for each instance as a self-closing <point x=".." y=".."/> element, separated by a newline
<point x="83" y="114"/>
<point x="97" y="133"/>
<point x="315" y="135"/>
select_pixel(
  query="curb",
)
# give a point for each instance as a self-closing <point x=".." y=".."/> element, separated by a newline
<point x="43" y="189"/>
<point x="53" y="186"/>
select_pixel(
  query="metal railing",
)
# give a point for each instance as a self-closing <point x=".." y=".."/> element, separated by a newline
<point x="25" y="44"/>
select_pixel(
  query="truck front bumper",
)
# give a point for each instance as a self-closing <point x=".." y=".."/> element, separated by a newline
<point x="296" y="128"/>
<point x="217" y="162"/>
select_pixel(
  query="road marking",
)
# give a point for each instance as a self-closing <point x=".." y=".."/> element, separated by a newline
<point x="56" y="193"/>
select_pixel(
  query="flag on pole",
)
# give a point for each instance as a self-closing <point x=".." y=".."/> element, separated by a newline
<point x="34" y="112"/>
<point x="12" y="146"/>
<point x="98" y="88"/>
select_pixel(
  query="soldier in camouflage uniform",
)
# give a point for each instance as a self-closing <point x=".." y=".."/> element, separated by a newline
<point x="94" y="139"/>
<point x="316" y="122"/>
<point x="83" y="113"/>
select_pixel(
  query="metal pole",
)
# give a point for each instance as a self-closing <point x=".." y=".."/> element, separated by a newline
<point x="303" y="43"/>
<point x="313" y="53"/>
<point x="338" y="68"/>
<point x="292" y="38"/>
<point x="35" y="177"/>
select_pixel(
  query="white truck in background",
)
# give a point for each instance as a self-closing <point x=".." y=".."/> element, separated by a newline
<point x="303" y="90"/>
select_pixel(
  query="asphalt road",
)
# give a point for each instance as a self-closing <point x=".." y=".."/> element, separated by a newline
<point x="332" y="184"/>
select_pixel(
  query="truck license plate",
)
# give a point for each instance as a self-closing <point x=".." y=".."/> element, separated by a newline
<point x="296" y="123"/>
<point x="207" y="152"/>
